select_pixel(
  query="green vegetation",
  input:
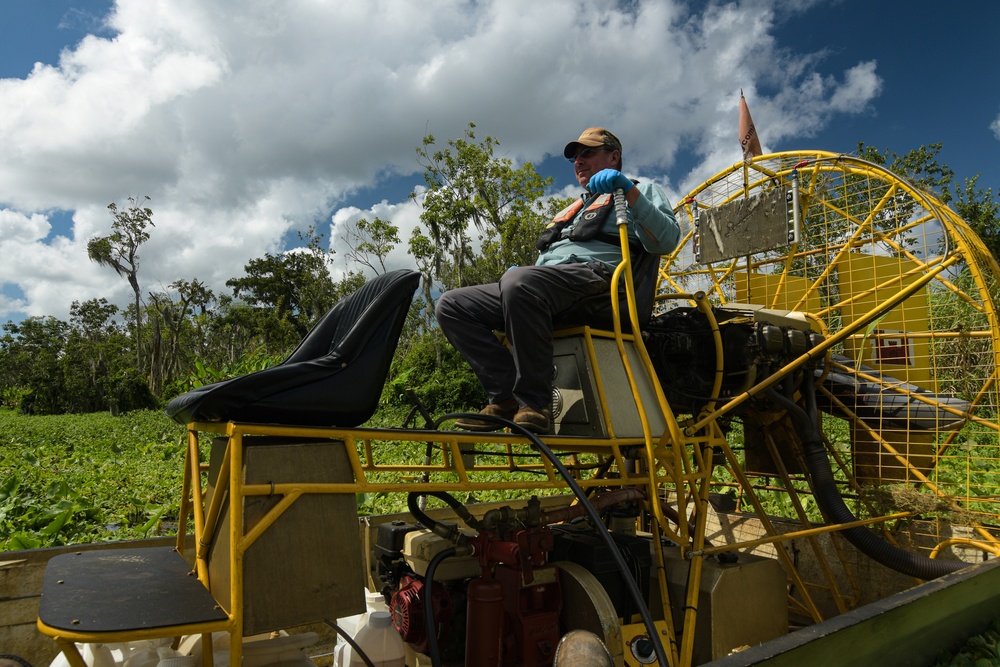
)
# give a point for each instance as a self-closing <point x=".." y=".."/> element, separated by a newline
<point x="68" y="479"/>
<point x="982" y="650"/>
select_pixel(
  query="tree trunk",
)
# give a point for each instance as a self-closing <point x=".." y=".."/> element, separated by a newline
<point x="133" y="280"/>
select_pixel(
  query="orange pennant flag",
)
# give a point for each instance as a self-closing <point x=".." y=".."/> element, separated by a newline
<point x="748" y="133"/>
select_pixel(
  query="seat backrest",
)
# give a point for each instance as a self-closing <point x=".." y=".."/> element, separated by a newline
<point x="333" y="378"/>
<point x="596" y="311"/>
<point x="346" y="326"/>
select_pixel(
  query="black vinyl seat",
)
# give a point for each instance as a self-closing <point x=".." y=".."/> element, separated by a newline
<point x="596" y="311"/>
<point x="333" y="378"/>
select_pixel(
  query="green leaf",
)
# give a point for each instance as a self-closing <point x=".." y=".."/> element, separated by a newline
<point x="8" y="487"/>
<point x="148" y="526"/>
<point x="57" y="489"/>
<point x="868" y="332"/>
<point x="57" y="523"/>
<point x="22" y="541"/>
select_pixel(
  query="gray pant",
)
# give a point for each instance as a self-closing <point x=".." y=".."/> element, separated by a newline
<point x="523" y="305"/>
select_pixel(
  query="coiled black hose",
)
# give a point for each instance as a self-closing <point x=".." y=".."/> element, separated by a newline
<point x="830" y="501"/>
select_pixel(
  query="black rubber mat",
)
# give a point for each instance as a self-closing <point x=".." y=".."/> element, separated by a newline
<point x="115" y="590"/>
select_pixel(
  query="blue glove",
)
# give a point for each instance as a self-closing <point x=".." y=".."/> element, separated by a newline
<point x="609" y="180"/>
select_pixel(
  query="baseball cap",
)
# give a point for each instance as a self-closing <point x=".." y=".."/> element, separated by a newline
<point x="593" y="137"/>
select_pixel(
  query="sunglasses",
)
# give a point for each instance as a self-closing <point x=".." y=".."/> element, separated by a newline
<point x="586" y="153"/>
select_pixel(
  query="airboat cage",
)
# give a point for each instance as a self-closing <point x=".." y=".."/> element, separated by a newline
<point x="906" y="296"/>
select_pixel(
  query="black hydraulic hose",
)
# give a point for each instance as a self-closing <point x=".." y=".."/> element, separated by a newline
<point x="452" y="502"/>
<point x="434" y="652"/>
<point x="592" y="514"/>
<point x="15" y="658"/>
<point x="350" y="642"/>
<point x="830" y="501"/>
<point x="418" y="514"/>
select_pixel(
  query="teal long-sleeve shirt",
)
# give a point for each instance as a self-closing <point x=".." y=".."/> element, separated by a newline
<point x="651" y="222"/>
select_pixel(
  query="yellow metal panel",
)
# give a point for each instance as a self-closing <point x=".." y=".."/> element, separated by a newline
<point x="776" y="291"/>
<point x="884" y="345"/>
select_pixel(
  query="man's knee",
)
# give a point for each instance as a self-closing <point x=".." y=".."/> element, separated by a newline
<point x="443" y="305"/>
<point x="519" y="283"/>
<point x="449" y="307"/>
<point x="519" y="275"/>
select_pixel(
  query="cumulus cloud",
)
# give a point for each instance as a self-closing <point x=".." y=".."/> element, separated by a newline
<point x="995" y="126"/>
<point x="18" y="227"/>
<point x="243" y="121"/>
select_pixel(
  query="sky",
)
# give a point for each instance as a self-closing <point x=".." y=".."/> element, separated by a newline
<point x="247" y="121"/>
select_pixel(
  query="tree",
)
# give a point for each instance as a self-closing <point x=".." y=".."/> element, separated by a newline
<point x="29" y="356"/>
<point x="120" y="251"/>
<point x="177" y="324"/>
<point x="292" y="290"/>
<point x="96" y="350"/>
<point x="371" y="241"/>
<point x="51" y="367"/>
<point x="981" y="210"/>
<point x="977" y="206"/>
<point x="423" y="251"/>
<point x="469" y="188"/>
<point x="919" y="165"/>
<point x="481" y="215"/>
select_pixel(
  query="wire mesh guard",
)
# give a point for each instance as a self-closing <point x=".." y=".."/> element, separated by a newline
<point x="912" y="291"/>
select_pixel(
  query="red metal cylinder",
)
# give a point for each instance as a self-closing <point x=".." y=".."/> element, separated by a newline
<point x="484" y="629"/>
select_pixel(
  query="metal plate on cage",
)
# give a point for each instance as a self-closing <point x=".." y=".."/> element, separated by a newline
<point x="764" y="221"/>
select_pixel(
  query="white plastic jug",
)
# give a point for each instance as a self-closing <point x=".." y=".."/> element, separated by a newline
<point x="352" y="624"/>
<point x="380" y="642"/>
<point x="98" y="655"/>
<point x="121" y="652"/>
<point x="192" y="645"/>
<point x="144" y="656"/>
